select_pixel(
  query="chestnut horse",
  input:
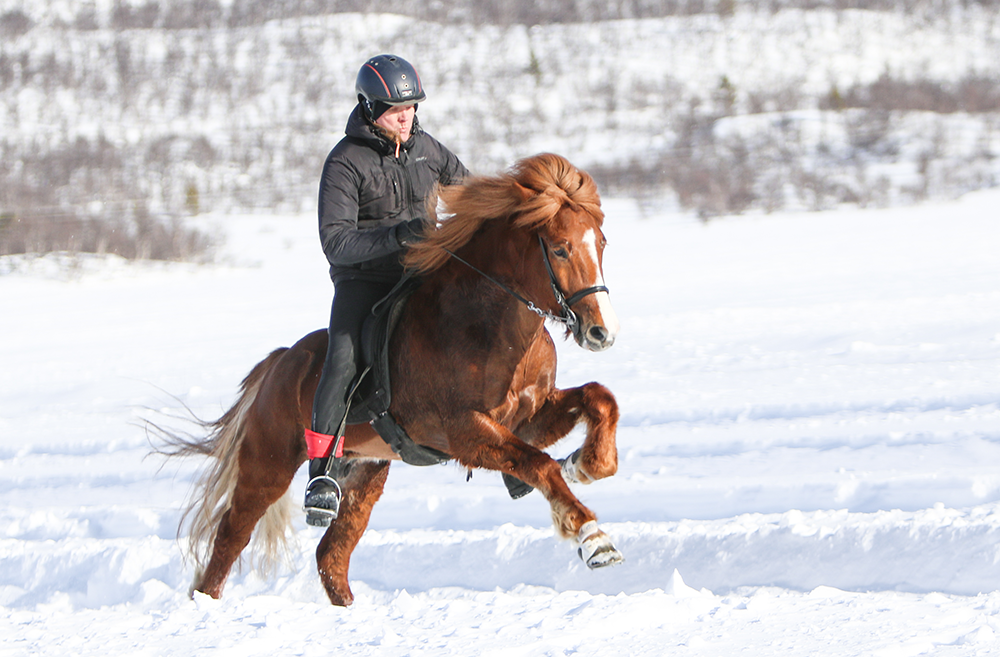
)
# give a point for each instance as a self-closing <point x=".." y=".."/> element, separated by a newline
<point x="472" y="368"/>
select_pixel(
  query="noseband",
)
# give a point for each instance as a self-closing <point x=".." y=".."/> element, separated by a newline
<point x="568" y="317"/>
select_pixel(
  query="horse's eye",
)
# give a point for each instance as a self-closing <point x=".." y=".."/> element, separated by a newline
<point x="560" y="253"/>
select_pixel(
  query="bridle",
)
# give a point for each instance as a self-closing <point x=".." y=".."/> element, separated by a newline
<point x="568" y="317"/>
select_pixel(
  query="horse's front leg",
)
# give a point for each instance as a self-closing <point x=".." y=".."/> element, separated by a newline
<point x="488" y="444"/>
<point x="592" y="403"/>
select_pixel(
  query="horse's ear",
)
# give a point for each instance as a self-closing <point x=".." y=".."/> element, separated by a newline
<point x="524" y="192"/>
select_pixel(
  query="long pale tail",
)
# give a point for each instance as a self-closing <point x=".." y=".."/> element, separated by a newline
<point x="212" y="494"/>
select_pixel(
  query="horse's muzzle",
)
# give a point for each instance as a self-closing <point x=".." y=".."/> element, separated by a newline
<point x="598" y="338"/>
<point x="597" y="334"/>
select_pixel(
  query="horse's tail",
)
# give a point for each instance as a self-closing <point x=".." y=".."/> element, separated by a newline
<point x="213" y="492"/>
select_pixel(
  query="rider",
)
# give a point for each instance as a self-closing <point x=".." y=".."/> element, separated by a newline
<point x="375" y="184"/>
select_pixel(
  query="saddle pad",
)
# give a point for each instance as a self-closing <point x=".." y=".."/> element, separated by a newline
<point x="372" y="393"/>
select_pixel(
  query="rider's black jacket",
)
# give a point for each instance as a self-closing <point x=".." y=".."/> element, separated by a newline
<point x="366" y="191"/>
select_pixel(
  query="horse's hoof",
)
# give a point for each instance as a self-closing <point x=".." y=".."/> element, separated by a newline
<point x="600" y="559"/>
<point x="596" y="549"/>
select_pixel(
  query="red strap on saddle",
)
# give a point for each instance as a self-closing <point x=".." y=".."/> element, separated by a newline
<point x="320" y="445"/>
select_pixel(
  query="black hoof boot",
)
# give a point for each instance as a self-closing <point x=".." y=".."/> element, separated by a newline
<point x="323" y="495"/>
<point x="515" y="487"/>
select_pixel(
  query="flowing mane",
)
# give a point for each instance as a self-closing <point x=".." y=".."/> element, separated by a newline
<point x="529" y="195"/>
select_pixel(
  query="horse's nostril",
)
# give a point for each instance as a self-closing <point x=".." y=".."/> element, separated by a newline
<point x="598" y="334"/>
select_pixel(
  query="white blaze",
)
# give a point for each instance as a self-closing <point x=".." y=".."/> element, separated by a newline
<point x="603" y="299"/>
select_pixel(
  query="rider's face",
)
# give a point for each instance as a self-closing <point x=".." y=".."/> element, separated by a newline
<point x="398" y="119"/>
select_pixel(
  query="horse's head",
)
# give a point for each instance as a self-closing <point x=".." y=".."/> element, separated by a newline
<point x="544" y="219"/>
<point x="560" y="202"/>
<point x="573" y="245"/>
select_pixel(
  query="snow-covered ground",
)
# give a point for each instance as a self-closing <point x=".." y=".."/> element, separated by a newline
<point x="809" y="446"/>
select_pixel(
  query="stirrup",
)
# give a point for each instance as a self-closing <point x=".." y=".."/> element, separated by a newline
<point x="322" y="506"/>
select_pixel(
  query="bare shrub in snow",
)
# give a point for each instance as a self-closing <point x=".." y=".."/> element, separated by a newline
<point x="14" y="23"/>
<point x="973" y="93"/>
<point x="133" y="234"/>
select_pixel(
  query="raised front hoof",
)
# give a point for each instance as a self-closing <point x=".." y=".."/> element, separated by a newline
<point x="605" y="556"/>
<point x="572" y="471"/>
<point x="596" y="549"/>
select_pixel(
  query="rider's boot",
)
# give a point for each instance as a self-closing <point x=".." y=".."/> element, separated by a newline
<point x="515" y="487"/>
<point x="570" y="470"/>
<point x="322" y="503"/>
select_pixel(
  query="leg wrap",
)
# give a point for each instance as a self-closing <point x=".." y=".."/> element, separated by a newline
<point x="571" y="470"/>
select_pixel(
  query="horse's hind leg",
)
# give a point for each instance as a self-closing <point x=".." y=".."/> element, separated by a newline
<point x="235" y="530"/>
<point x="362" y="487"/>
<point x="564" y="409"/>
<point x="261" y="482"/>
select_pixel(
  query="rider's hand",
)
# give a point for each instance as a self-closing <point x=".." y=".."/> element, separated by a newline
<point x="410" y="232"/>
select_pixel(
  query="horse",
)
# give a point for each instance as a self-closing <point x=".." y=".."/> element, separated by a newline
<point x="472" y="366"/>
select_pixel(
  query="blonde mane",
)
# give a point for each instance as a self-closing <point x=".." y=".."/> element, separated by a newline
<point x="529" y="195"/>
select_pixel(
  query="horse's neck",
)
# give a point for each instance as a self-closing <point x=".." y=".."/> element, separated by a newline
<point x="502" y="318"/>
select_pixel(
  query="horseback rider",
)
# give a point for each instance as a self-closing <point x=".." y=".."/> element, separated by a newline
<point x="375" y="185"/>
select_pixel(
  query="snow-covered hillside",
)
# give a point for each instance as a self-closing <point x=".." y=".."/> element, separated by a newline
<point x="809" y="447"/>
<point x="187" y="120"/>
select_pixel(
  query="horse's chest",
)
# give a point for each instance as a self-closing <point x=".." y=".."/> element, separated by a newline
<point x="518" y="406"/>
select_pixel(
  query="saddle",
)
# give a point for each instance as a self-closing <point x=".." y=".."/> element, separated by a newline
<point x="371" y="392"/>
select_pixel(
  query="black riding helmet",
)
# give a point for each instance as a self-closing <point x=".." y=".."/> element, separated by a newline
<point x="387" y="80"/>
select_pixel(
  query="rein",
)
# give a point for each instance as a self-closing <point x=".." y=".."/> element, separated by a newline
<point x="568" y="317"/>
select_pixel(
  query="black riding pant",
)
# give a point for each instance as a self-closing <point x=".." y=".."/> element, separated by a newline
<point x="352" y="303"/>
